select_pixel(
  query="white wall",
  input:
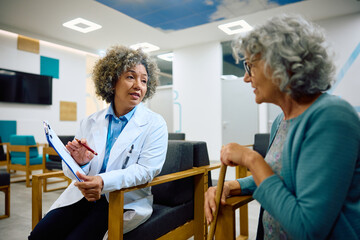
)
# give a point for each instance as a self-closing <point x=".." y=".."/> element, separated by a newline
<point x="196" y="82"/>
<point x="162" y="103"/>
<point x="344" y="35"/>
<point x="71" y="86"/>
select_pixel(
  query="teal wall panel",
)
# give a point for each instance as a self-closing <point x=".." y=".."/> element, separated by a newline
<point x="49" y="66"/>
<point x="7" y="128"/>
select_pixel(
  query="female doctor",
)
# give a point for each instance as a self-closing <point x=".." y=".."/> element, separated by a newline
<point x="129" y="143"/>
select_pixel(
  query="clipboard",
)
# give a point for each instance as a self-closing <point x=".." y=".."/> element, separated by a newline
<point x="61" y="150"/>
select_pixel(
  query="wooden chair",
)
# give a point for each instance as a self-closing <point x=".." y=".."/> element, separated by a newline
<point x="52" y="166"/>
<point x="194" y="228"/>
<point x="24" y="156"/>
<point x="36" y="199"/>
<point x="5" y="187"/>
<point x="226" y="228"/>
<point x="189" y="181"/>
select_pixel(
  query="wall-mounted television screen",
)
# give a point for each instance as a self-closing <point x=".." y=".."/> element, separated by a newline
<point x="21" y="87"/>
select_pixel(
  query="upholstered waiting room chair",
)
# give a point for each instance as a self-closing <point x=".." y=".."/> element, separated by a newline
<point x="24" y="155"/>
<point x="178" y="197"/>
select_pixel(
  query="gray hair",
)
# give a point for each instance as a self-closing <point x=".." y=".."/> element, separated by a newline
<point x="296" y="52"/>
<point x="117" y="60"/>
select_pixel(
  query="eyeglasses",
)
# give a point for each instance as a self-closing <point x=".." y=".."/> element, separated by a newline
<point x="247" y="66"/>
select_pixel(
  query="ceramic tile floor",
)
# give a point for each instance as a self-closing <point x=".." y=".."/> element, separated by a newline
<point x="18" y="226"/>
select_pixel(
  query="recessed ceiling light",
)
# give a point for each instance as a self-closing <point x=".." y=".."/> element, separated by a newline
<point x="229" y="77"/>
<point x="235" y="27"/>
<point x="146" y="47"/>
<point x="82" y="25"/>
<point x="167" y="57"/>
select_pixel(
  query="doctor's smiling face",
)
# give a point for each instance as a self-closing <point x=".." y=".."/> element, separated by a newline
<point x="130" y="89"/>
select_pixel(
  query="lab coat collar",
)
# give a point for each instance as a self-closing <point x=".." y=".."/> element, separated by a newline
<point x="131" y="131"/>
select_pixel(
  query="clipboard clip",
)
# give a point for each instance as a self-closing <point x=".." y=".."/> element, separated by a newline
<point x="46" y="127"/>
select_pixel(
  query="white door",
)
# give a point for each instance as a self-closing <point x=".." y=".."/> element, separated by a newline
<point x="239" y="112"/>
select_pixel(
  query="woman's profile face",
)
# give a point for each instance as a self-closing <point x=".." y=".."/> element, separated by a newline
<point x="264" y="88"/>
<point x="130" y="89"/>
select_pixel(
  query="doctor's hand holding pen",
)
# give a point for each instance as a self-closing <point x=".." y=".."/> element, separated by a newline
<point x="80" y="151"/>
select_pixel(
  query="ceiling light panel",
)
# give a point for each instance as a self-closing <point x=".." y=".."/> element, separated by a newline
<point x="145" y="47"/>
<point x="167" y="56"/>
<point x="235" y="27"/>
<point x="82" y="25"/>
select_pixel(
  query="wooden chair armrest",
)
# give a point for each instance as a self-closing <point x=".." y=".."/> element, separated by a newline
<point x="210" y="167"/>
<point x="116" y="199"/>
<point x="238" y="201"/>
<point x="37" y="194"/>
<point x="164" y="179"/>
<point x="248" y="145"/>
<point x="42" y="176"/>
<point x="20" y="148"/>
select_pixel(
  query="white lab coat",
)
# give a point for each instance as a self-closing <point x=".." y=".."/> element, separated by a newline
<point x="147" y="131"/>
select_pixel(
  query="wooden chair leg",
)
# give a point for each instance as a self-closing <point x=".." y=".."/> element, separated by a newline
<point x="28" y="173"/>
<point x="225" y="227"/>
<point x="6" y="190"/>
<point x="244" y="221"/>
<point x="7" y="202"/>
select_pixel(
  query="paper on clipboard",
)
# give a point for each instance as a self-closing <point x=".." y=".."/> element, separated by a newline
<point x="61" y="150"/>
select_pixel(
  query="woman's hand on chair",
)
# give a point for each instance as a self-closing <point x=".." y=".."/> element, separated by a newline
<point x="210" y="205"/>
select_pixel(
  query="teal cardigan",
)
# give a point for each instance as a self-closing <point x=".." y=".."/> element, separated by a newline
<point x="318" y="194"/>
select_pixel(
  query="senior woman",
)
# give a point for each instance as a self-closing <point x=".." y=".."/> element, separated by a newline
<point x="131" y="142"/>
<point x="308" y="183"/>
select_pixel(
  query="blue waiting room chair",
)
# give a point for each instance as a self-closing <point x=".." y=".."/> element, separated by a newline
<point x="24" y="155"/>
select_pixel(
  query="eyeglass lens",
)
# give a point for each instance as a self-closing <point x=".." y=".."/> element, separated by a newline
<point x="247" y="68"/>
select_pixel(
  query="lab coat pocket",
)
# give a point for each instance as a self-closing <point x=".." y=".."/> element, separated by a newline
<point x="131" y="158"/>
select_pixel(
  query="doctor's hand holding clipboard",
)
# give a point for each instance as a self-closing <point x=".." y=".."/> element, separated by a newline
<point x="90" y="186"/>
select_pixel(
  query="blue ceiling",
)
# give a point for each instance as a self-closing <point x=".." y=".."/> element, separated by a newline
<point x="171" y="15"/>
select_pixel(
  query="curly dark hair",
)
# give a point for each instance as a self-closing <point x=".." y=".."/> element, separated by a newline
<point x="117" y="60"/>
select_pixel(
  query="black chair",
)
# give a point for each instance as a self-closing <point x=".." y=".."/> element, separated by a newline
<point x="178" y="209"/>
<point x="178" y="204"/>
<point x="261" y="143"/>
<point x="173" y="201"/>
<point x="176" y="136"/>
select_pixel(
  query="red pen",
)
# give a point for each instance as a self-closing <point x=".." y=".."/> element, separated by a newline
<point x="87" y="147"/>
